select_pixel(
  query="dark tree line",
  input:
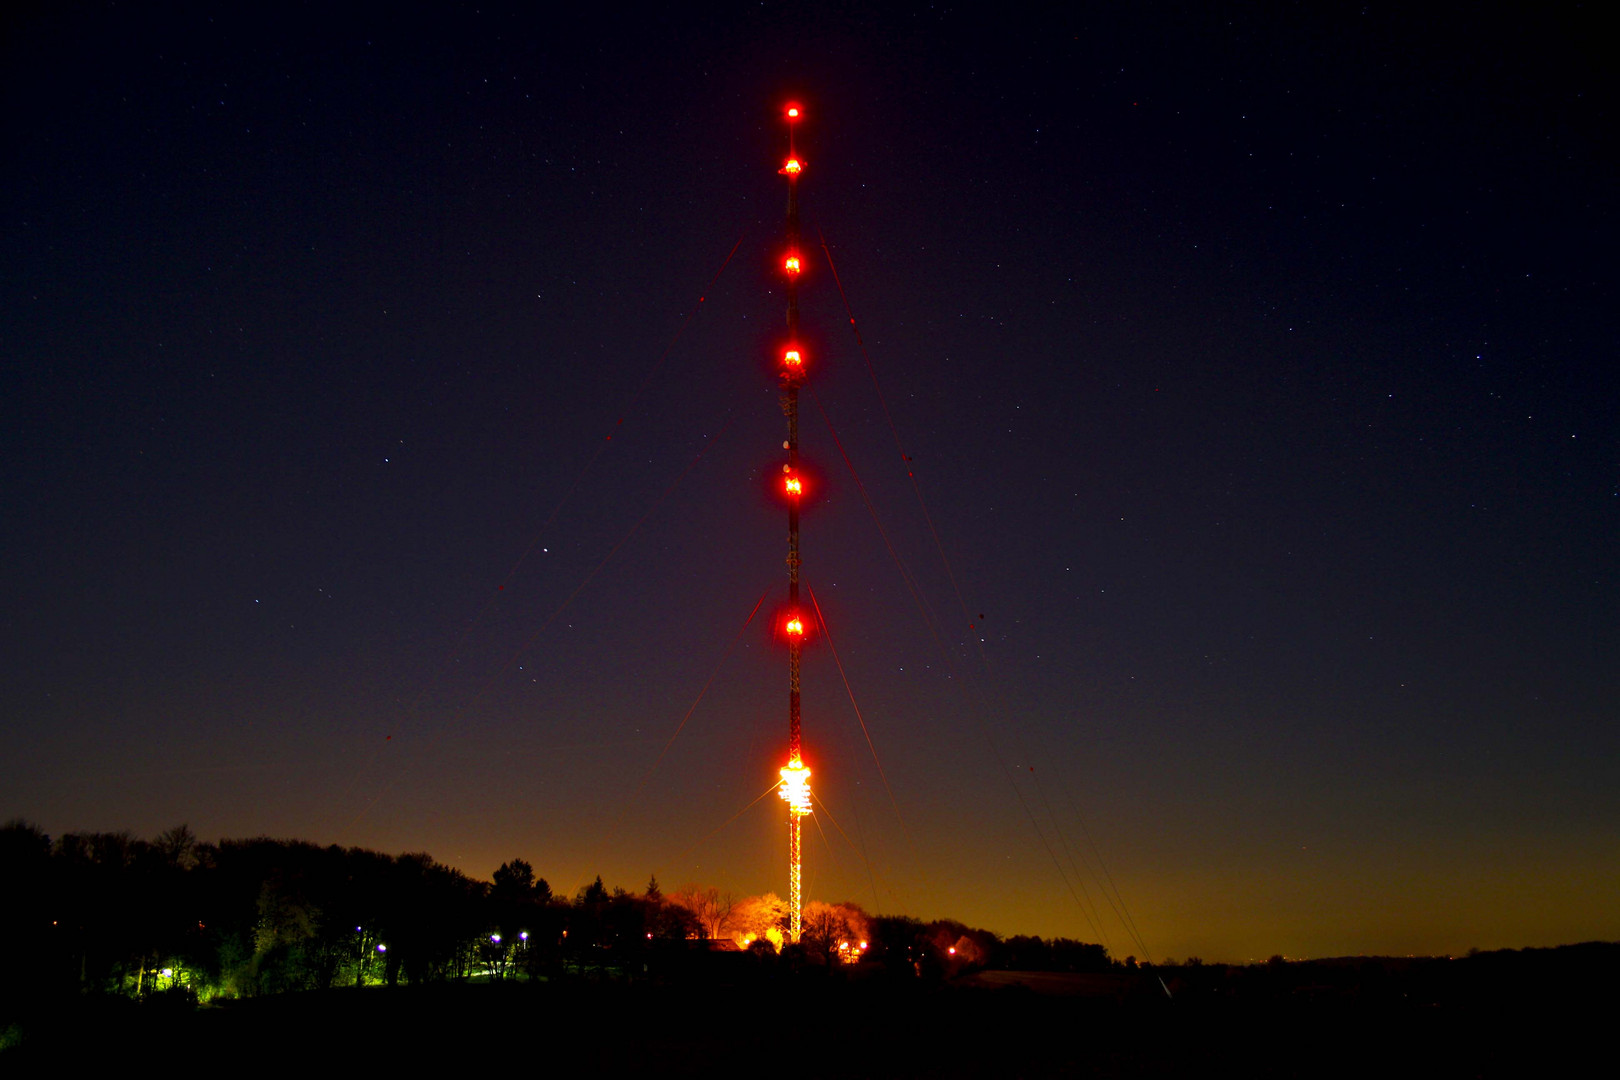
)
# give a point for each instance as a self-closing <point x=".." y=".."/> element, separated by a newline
<point x="112" y="913"/>
<point x="174" y="916"/>
<point x="1568" y="974"/>
<point x="945" y="947"/>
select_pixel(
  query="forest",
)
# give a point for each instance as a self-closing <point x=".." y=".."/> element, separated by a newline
<point x="175" y="916"/>
<point x="112" y="945"/>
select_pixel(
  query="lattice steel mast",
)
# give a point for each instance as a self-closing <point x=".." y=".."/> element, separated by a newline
<point x="795" y="789"/>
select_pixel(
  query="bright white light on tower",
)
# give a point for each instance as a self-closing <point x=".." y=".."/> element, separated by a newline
<point x="795" y="789"/>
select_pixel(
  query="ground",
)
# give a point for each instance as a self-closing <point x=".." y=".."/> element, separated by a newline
<point x="993" y="1024"/>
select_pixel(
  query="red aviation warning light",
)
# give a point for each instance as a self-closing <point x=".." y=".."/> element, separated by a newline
<point x="793" y="167"/>
<point x="791" y="368"/>
<point x="792" y="112"/>
<point x="791" y="627"/>
<point x="791" y="264"/>
<point x="793" y="486"/>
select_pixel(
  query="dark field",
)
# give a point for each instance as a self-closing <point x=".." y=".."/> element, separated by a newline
<point x="823" y="1026"/>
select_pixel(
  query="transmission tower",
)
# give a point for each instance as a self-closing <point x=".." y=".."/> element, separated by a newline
<point x="795" y="787"/>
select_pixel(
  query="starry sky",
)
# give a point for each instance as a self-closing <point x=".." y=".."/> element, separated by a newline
<point x="372" y="473"/>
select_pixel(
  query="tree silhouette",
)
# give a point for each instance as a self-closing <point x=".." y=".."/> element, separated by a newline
<point x="594" y="893"/>
<point x="762" y="918"/>
<point x="29" y="942"/>
<point x="833" y="930"/>
<point x="710" y="907"/>
<point x="513" y="881"/>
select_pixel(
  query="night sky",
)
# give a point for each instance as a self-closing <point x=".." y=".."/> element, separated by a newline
<point x="1256" y="365"/>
